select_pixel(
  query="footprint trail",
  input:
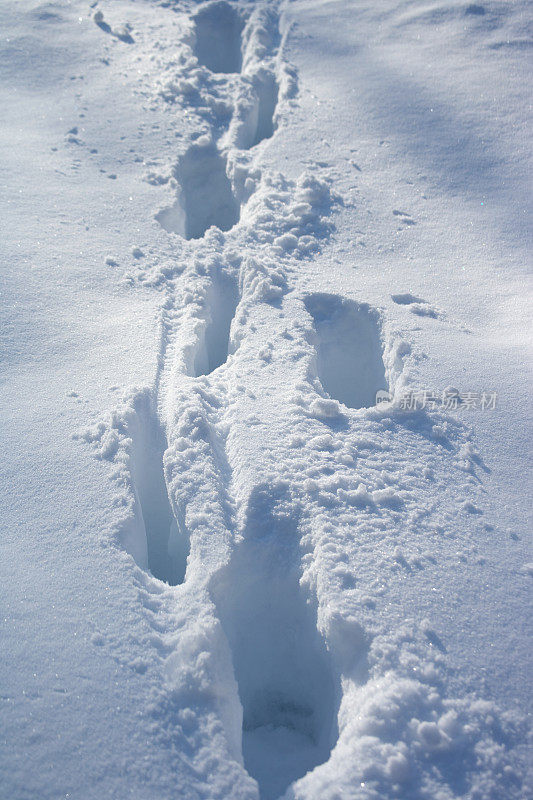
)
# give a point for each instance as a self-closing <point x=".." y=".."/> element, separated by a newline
<point x="265" y="490"/>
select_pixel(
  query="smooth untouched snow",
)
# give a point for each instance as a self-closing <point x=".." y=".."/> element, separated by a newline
<point x="264" y="438"/>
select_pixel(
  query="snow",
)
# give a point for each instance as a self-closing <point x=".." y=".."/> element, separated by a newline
<point x="264" y="399"/>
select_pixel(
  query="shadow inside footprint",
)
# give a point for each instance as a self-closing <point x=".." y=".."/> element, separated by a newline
<point x="266" y="89"/>
<point x="213" y="344"/>
<point x="218" y="29"/>
<point x="349" y="350"/>
<point x="205" y="196"/>
<point x="165" y="546"/>
<point x="282" y="667"/>
<point x="406" y="298"/>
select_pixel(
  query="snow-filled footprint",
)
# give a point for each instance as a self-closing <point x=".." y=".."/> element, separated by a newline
<point x="282" y="668"/>
<point x="349" y="349"/>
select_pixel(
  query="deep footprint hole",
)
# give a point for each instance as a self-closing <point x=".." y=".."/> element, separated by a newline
<point x="205" y="196"/>
<point x="282" y="667"/>
<point x="213" y="345"/>
<point x="349" y="349"/>
<point x="263" y="116"/>
<point x="218" y="32"/>
<point x="162" y="545"/>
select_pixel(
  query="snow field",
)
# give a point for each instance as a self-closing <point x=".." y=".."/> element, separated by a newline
<point x="262" y="538"/>
<point x="268" y="517"/>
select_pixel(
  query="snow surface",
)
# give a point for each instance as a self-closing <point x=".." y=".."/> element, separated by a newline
<point x="236" y="237"/>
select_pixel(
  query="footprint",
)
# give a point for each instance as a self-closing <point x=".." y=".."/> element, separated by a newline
<point x="475" y="9"/>
<point x="349" y="350"/>
<point x="161" y="543"/>
<point x="122" y="32"/>
<point x="406" y="299"/>
<point x="281" y="664"/>
<point x="213" y="346"/>
<point x="218" y="30"/>
<point x="405" y="217"/>
<point x="205" y="196"/>
<point x="416" y="305"/>
<point x="255" y="120"/>
<point x="424" y="310"/>
<point x="262" y="117"/>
